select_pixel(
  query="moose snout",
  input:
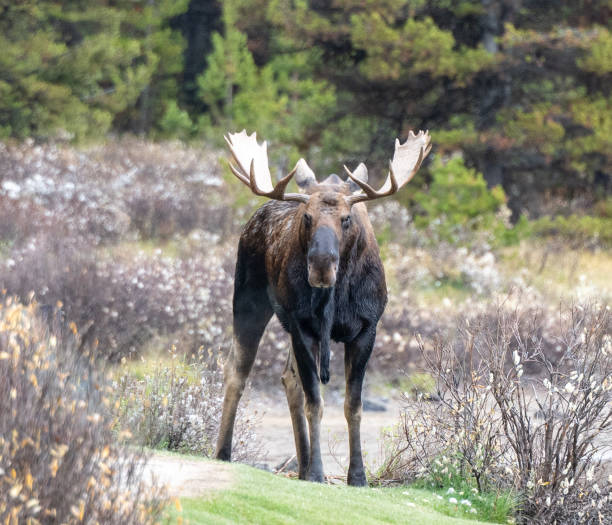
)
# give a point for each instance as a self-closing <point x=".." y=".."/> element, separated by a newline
<point x="323" y="258"/>
<point x="322" y="271"/>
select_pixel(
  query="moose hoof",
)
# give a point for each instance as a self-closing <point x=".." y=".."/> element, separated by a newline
<point x="317" y="477"/>
<point x="224" y="455"/>
<point x="357" y="479"/>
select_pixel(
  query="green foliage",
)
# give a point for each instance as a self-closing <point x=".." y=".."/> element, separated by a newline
<point x="175" y="122"/>
<point x="72" y="70"/>
<point x="459" y="132"/>
<point x="521" y="92"/>
<point x="458" y="198"/>
<point x="449" y="482"/>
<point x="418" y="383"/>
<point x="238" y="94"/>
<point x="579" y="230"/>
<point x="535" y="129"/>
<point x="419" y="46"/>
<point x="595" y="115"/>
<point x="598" y="58"/>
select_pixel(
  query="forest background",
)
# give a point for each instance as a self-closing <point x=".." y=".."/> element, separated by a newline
<point x="520" y="88"/>
<point x="119" y="222"/>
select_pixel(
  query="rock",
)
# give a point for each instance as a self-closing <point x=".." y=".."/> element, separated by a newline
<point x="289" y="464"/>
<point x="373" y="406"/>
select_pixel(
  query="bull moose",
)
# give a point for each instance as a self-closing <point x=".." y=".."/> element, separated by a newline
<point x="312" y="259"/>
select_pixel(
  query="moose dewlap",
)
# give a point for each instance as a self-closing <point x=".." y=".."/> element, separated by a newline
<point x="311" y="259"/>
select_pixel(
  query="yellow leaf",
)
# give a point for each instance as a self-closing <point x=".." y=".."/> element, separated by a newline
<point x="59" y="451"/>
<point x="73" y="328"/>
<point x="91" y="482"/>
<point x="29" y="481"/>
<point x="177" y="504"/>
<point x="14" y="492"/>
<point x="105" y="468"/>
<point x="33" y="380"/>
<point x="53" y="467"/>
<point x="4" y="355"/>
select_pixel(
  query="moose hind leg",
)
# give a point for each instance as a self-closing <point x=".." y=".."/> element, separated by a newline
<point x="295" y="400"/>
<point x="252" y="312"/>
<point x="356" y="357"/>
<point x="303" y="349"/>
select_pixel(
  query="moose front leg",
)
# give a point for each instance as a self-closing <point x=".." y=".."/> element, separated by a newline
<point x="251" y="315"/>
<point x="304" y="348"/>
<point x="356" y="355"/>
<point x="295" y="400"/>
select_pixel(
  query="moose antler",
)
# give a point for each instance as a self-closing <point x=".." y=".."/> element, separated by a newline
<point x="406" y="162"/>
<point x="249" y="154"/>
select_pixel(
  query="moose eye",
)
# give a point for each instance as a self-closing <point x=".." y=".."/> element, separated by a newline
<point x="346" y="222"/>
<point x="307" y="220"/>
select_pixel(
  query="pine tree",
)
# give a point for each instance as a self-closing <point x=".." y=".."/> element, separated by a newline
<point x="69" y="69"/>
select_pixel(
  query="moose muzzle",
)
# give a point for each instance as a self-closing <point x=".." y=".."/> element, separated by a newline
<point x="323" y="258"/>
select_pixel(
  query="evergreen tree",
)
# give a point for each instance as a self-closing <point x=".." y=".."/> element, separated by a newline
<point x="70" y="69"/>
<point x="237" y="94"/>
<point x="521" y="87"/>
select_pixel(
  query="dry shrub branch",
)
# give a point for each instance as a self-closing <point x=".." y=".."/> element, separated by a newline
<point x="543" y="436"/>
<point x="176" y="405"/>
<point x="58" y="460"/>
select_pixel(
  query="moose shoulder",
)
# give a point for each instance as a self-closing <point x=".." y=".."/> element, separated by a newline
<point x="310" y="258"/>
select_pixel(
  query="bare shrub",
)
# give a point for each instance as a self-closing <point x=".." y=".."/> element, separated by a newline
<point x="123" y="302"/>
<point x="177" y="406"/>
<point x="118" y="190"/>
<point x="542" y="436"/>
<point x="58" y="459"/>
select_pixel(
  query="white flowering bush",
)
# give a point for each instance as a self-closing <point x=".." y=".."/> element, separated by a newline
<point x="542" y="436"/>
<point x="121" y="189"/>
<point x="177" y="404"/>
<point x="123" y="302"/>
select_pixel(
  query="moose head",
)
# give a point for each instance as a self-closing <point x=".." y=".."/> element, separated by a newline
<point x="327" y="228"/>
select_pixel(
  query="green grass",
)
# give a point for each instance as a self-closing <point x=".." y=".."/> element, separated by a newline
<point x="261" y="497"/>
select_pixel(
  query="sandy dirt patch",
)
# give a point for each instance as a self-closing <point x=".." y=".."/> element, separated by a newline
<point x="188" y="478"/>
<point x="276" y="435"/>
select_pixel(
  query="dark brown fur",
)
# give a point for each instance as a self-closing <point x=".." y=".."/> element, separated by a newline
<point x="316" y="266"/>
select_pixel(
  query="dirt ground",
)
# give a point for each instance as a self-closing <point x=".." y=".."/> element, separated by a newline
<point x="276" y="434"/>
<point x="185" y="477"/>
<point x="188" y="478"/>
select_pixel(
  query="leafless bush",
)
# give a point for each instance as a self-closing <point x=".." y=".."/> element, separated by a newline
<point x="105" y="194"/>
<point x="58" y="460"/>
<point x="542" y="436"/>
<point x="123" y="302"/>
<point x="177" y="406"/>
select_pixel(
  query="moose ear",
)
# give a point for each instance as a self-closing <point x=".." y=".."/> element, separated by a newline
<point x="304" y="176"/>
<point x="361" y="173"/>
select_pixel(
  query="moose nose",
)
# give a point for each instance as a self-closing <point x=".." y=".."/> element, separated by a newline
<point x="323" y="258"/>
<point x="322" y="276"/>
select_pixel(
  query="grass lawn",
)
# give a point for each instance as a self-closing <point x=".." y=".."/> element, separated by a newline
<point x="261" y="497"/>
